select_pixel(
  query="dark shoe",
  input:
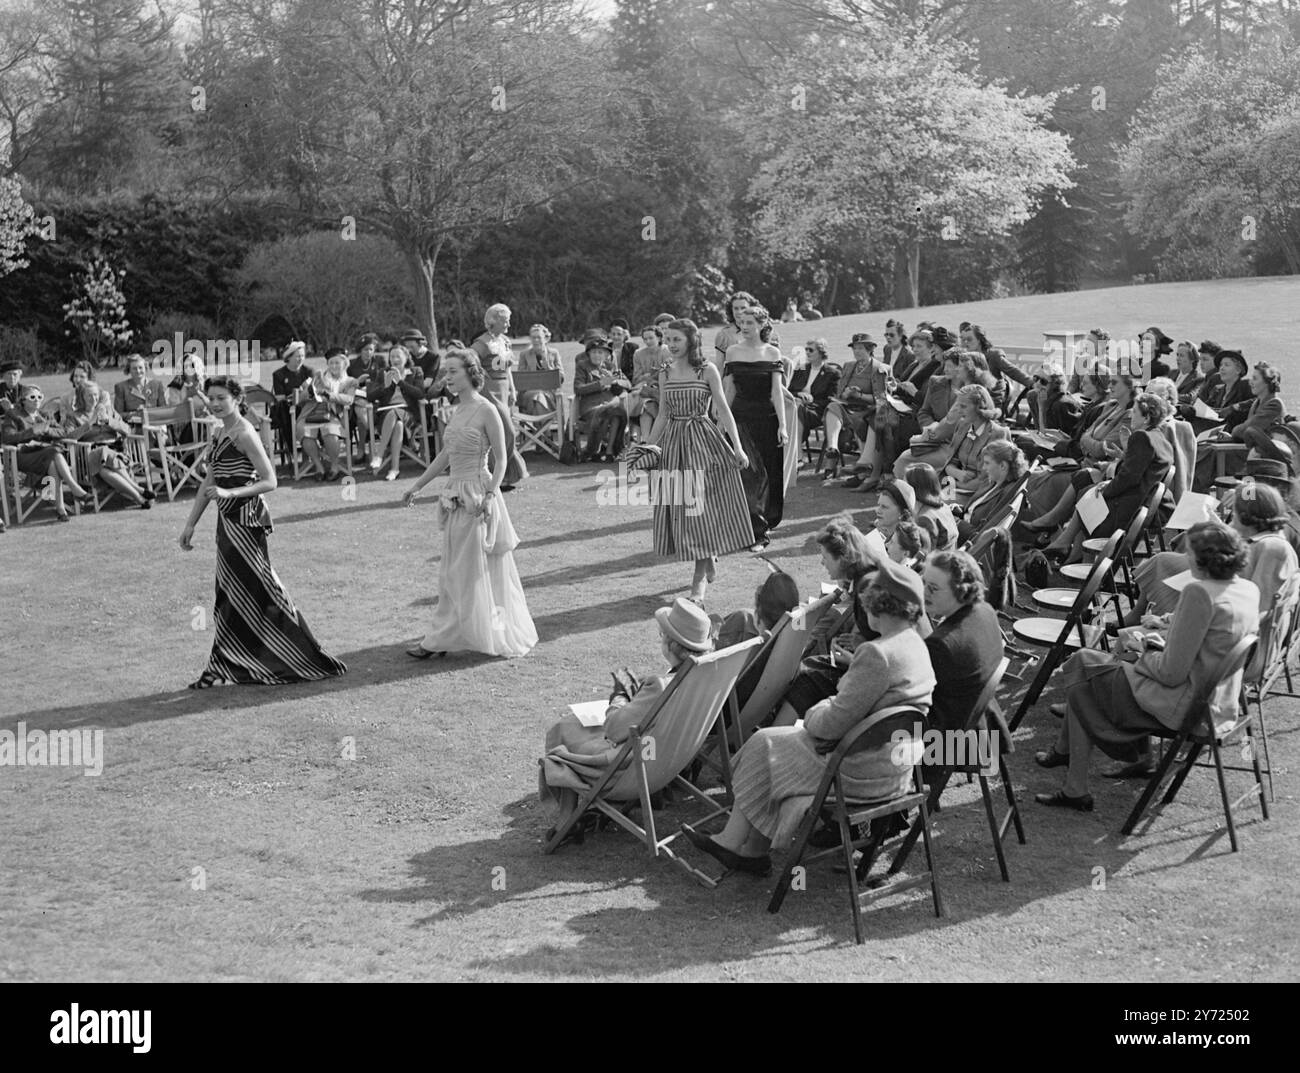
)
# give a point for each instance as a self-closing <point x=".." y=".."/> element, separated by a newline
<point x="1051" y="758"/>
<point x="63" y="517"/>
<point x="1057" y="710"/>
<point x="1060" y="799"/>
<point x="206" y="681"/>
<point x="149" y="494"/>
<point x="507" y="488"/>
<point x="1139" y="769"/>
<point x="421" y="652"/>
<point x="335" y="475"/>
<point x="754" y="866"/>
<point x="146" y="504"/>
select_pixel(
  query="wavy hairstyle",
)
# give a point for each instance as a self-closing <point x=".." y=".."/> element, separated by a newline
<point x="694" y="349"/>
<point x="964" y="574"/>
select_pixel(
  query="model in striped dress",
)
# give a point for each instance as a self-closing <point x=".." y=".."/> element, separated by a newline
<point x="700" y="510"/>
<point x="260" y="636"/>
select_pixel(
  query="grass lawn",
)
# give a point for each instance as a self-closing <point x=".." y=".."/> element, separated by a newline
<point x="318" y="867"/>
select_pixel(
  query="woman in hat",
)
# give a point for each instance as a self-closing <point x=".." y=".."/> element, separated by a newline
<point x="1227" y="392"/>
<point x="1156" y="348"/>
<point x="784" y="764"/>
<point x="756" y="395"/>
<point x="897" y="503"/>
<point x="932" y="513"/>
<point x="261" y="638"/>
<point x="578" y="756"/>
<point x="481" y="605"/>
<point x="1116" y="705"/>
<point x="11" y="386"/>
<point x="690" y="444"/>
<point x="1265" y="411"/>
<point x="598" y="388"/>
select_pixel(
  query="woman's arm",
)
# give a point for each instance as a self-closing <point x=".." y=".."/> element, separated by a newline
<point x="863" y="684"/>
<point x="251" y="444"/>
<point x="196" y="512"/>
<point x="661" y="418"/>
<point x="722" y="408"/>
<point x="434" y="468"/>
<point x="778" y="404"/>
<point x="497" y="438"/>
<point x="1187" y="631"/>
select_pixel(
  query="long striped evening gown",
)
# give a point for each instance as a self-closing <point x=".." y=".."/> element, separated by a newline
<point x="716" y="521"/>
<point x="260" y="636"/>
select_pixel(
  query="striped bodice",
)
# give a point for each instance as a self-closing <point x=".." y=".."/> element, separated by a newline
<point x="231" y="468"/>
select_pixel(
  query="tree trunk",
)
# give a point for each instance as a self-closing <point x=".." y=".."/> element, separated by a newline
<point x="422" y="267"/>
<point x="907" y="274"/>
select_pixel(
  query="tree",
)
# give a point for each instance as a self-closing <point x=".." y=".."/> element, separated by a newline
<point x="16" y="220"/>
<point x="890" y="161"/>
<point x="97" y="312"/>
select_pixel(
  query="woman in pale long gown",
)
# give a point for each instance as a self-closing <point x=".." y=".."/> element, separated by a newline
<point x="481" y="606"/>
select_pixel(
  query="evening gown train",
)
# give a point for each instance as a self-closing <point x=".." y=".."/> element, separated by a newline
<point x="261" y="638"/>
<point x="481" y="606"/>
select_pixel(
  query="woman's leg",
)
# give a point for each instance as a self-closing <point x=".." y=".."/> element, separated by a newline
<point x="1060" y="513"/>
<point x="739" y="834"/>
<point x="122" y="483"/>
<point x="63" y="475"/>
<point x="397" y="437"/>
<point x="699" y="582"/>
<point x="333" y="450"/>
<point x="834" y="425"/>
<point x="311" y="448"/>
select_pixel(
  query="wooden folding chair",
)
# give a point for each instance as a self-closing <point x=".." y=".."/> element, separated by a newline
<point x="1062" y="636"/>
<point x="181" y="463"/>
<point x="984" y="717"/>
<point x="543" y="431"/>
<point x="26" y="492"/>
<point x="877" y="731"/>
<point x="659" y="750"/>
<point x="1198" y="733"/>
<point x="4" y="490"/>
<point x="417" y="442"/>
<point x="135" y="447"/>
<point x="303" y="466"/>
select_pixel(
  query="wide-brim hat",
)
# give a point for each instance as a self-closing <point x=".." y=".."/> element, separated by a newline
<point x="1268" y="469"/>
<point x="862" y="339"/>
<point x="898" y="581"/>
<point x="902" y="493"/>
<point x="687" y="624"/>
<point x="413" y="335"/>
<point x="1232" y="355"/>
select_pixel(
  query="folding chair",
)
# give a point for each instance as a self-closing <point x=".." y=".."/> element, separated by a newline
<point x="543" y="431"/>
<point x="662" y="747"/>
<point x="27" y="492"/>
<point x="1270" y="660"/>
<point x="4" y="490"/>
<point x="136" y="450"/>
<point x="180" y="462"/>
<point x="1199" y="732"/>
<point x="985" y="713"/>
<point x="1117" y="547"/>
<point x="416" y="442"/>
<point x="982" y="541"/>
<point x="1061" y="636"/>
<point x="264" y="421"/>
<point x="303" y="466"/>
<point x="876" y="731"/>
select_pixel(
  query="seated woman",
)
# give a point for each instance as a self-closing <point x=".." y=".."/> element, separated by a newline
<point x="1226" y="392"/>
<point x="89" y="417"/>
<point x="1146" y="462"/>
<point x="1266" y="410"/>
<point x="966" y="644"/>
<point x="1046" y="487"/>
<point x="1054" y="408"/>
<point x="643" y="399"/>
<point x="1182" y="440"/>
<point x="1003" y="464"/>
<point x="539" y="357"/>
<point x="396" y="396"/>
<point x="908" y="545"/>
<point x="897" y="503"/>
<point x="814" y="383"/>
<point x="185" y="392"/>
<point x="37" y="437"/>
<point x="932" y="513"/>
<point x="773" y="598"/>
<point x="598" y="387"/>
<point x="782" y="763"/>
<point x="577" y="756"/>
<point x="1115" y="705"/>
<point x="975" y="431"/>
<point x="1189" y="375"/>
<point x="1259" y="516"/>
<point x="335" y="392"/>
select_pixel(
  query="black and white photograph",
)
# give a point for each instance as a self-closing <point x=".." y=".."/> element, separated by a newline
<point x="659" y="491"/>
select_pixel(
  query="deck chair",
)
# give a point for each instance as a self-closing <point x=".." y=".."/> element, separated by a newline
<point x="135" y="448"/>
<point x="830" y="802"/>
<point x="984" y="717"/>
<point x="1269" y="662"/>
<point x="1199" y="733"/>
<point x="417" y="443"/>
<point x="180" y="462"/>
<point x="27" y="493"/>
<point x="1062" y="636"/>
<point x="661" y="748"/>
<point x="4" y="490"/>
<point x="543" y="431"/>
<point x="303" y="466"/>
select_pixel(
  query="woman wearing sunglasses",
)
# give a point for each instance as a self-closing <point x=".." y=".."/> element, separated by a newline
<point x="36" y="437"/>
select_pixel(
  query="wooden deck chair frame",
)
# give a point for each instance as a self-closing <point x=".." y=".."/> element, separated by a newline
<point x="302" y="464"/>
<point x="4" y="489"/>
<point x="26" y="491"/>
<point x="545" y="431"/>
<point x="1198" y="734"/>
<point x="630" y="781"/>
<point x="179" y="462"/>
<point x="136" y="449"/>
<point x="1076" y="622"/>
<point x="1269" y="662"/>
<point x="985" y="715"/>
<point x="416" y="444"/>
<point x="848" y="813"/>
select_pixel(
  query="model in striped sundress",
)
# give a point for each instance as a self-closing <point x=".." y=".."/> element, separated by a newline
<point x="260" y="636"/>
<point x="700" y="510"/>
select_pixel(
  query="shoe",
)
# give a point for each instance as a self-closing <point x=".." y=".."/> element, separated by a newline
<point x="335" y="475"/>
<point x="149" y="494"/>
<point x="1139" y="769"/>
<point x="146" y="504"/>
<point x="1055" y="555"/>
<point x="1057" y="710"/>
<point x="64" y="517"/>
<point x="759" y="545"/>
<point x="391" y="475"/>
<point x="754" y="866"/>
<point x="1051" y="758"/>
<point x="376" y="465"/>
<point x="1060" y="799"/>
<point x="854" y="481"/>
<point x="206" y="681"/>
<point x="869" y="485"/>
<point x="1038" y="527"/>
<point x="423" y="653"/>
<point x="506" y="488"/>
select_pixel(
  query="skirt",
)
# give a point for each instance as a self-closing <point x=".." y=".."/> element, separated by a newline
<point x="36" y="461"/>
<point x="1097" y="692"/>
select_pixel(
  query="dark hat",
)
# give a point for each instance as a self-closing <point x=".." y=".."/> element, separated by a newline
<point x="596" y="341"/>
<point x="687" y="624"/>
<point x="1268" y="469"/>
<point x="11" y="367"/>
<point x="900" y="582"/>
<point x="943" y="338"/>
<point x="902" y="493"/>
<point x="413" y="335"/>
<point x="1232" y="355"/>
<point x="863" y="339"/>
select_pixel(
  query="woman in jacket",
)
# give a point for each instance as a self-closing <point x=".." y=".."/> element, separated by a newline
<point x="932" y="513"/>
<point x="784" y="763"/>
<point x="37" y="438"/>
<point x="1190" y="376"/>
<point x="975" y="431"/>
<point x="1264" y="412"/>
<point x="1115" y="705"/>
<point x="1003" y="464"/>
<point x="396" y="397"/>
<point x="814" y="384"/>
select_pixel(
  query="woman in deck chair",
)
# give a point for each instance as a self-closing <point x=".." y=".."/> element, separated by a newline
<point x="781" y="763"/>
<point x="576" y="755"/>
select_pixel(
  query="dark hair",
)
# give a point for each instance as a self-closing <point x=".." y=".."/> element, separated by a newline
<point x="1100" y="380"/>
<point x="1013" y="456"/>
<point x="680" y="652"/>
<point x="892" y="323"/>
<point x="229" y="384"/>
<point x="846" y="542"/>
<point x="339" y="352"/>
<point x="877" y="601"/>
<point x="964" y="574"/>
<point x="1271" y="376"/>
<point x="694" y="352"/>
<point x="732" y="301"/>
<point x="1152" y="407"/>
<point x="1163" y="344"/>
<point x="1209" y="346"/>
<point x="980" y="338"/>
<point x="924" y="480"/>
<point x="914" y="539"/>
<point x="473" y="367"/>
<point x="654" y="328"/>
<point x="619" y="322"/>
<point x="1125" y="379"/>
<point x="1216" y="550"/>
<point x="1099" y="334"/>
<point x="1191" y="347"/>
<point x="85" y="367"/>
<point x="1260" y="506"/>
<point x="774" y="597"/>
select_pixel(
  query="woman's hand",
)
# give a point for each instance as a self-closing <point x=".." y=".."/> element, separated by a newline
<point x="742" y="459"/>
<point x="782" y="437"/>
<point x="213" y="494"/>
<point x="187" y="534"/>
<point x="408" y="500"/>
